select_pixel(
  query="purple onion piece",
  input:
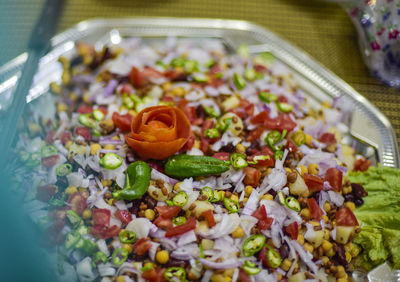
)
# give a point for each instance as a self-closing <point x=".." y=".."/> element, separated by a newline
<point x="112" y="84"/>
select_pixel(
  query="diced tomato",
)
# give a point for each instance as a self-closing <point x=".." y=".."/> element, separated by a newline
<point x="260" y="118"/>
<point x="163" y="223"/>
<point x="261" y="69"/>
<point x="50" y="137"/>
<point x="50" y="160"/>
<point x="204" y="143"/>
<point x="103" y="109"/>
<point x="123" y="122"/>
<point x="136" y="77"/>
<point x="84" y="132"/>
<point x="255" y="134"/>
<point x="154" y="275"/>
<point x="77" y="203"/>
<point x="362" y="165"/>
<point x="315" y="210"/>
<point x="101" y="217"/>
<point x="344" y="216"/>
<point x="328" y="138"/>
<point x="207" y="124"/>
<point x="252" y="176"/>
<point x="190" y="113"/>
<point x="335" y="178"/>
<point x="174" y="75"/>
<point x="168" y="212"/>
<point x="126" y="89"/>
<point x="84" y="109"/>
<point x="282" y="99"/>
<point x="142" y="246"/>
<point x="151" y="72"/>
<point x="260" y="213"/>
<point x="293" y="230"/>
<point x="223" y="156"/>
<point x="123" y="215"/>
<point x="46" y="192"/>
<point x="97" y="230"/>
<point x="65" y="136"/>
<point x="281" y="122"/>
<point x="313" y="182"/>
<point x="243" y="276"/>
<point x="190" y="224"/>
<point x="209" y="216"/>
<point x="111" y="232"/>
<point x="290" y="146"/>
<point x="264" y="222"/>
<point x="215" y="69"/>
<point x="190" y="143"/>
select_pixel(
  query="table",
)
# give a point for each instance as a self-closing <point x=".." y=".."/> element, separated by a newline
<point x="321" y="29"/>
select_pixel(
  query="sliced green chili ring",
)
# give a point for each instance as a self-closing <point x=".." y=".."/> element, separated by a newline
<point x="98" y="115"/>
<point x="74" y="218"/>
<point x="169" y="203"/>
<point x="267" y="97"/>
<point x="111" y="161"/>
<point x="209" y="192"/>
<point x="219" y="75"/>
<point x="264" y="59"/>
<point x="49" y="150"/>
<point x="211" y="112"/>
<point x="273" y="137"/>
<point x="211" y="133"/>
<point x="251" y="270"/>
<point x="299" y="138"/>
<point x="200" y="77"/>
<point x="127" y="237"/>
<point x="89" y="247"/>
<point x="178" y="62"/>
<point x="293" y="203"/>
<point x="71" y="239"/>
<point x="210" y="63"/>
<point x="253" y="244"/>
<point x="281" y="197"/>
<point x="149" y="266"/>
<point x="119" y="256"/>
<point x="238" y="161"/>
<point x="259" y="158"/>
<point x="231" y="205"/>
<point x="63" y="169"/>
<point x="180" y="199"/>
<point x="224" y="124"/>
<point x="250" y="74"/>
<point x="179" y="220"/>
<point x="175" y="273"/>
<point x="278" y="155"/>
<point x="274" y="259"/>
<point x="83" y="230"/>
<point x="283" y="134"/>
<point x="218" y="196"/>
<point x="99" y="257"/>
<point x="239" y="81"/>
<point x="127" y="101"/>
<point x="87" y="120"/>
<point x="285" y="107"/>
<point x="201" y="250"/>
<point x="191" y="66"/>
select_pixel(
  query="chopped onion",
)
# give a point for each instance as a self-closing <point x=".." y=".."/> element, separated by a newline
<point x="141" y="227"/>
<point x="106" y="269"/>
<point x="153" y="250"/>
<point x="226" y="264"/>
<point x="156" y="175"/>
<point x="252" y="203"/>
<point x="227" y="225"/>
<point x="187" y="238"/>
<point x="336" y="198"/>
<point x="84" y="270"/>
<point x="101" y="243"/>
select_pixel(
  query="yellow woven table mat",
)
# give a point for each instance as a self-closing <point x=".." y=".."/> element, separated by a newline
<point x="323" y="30"/>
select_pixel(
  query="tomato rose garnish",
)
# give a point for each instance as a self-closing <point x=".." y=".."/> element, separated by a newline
<point x="158" y="132"/>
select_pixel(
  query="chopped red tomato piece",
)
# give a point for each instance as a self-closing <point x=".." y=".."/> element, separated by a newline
<point x="50" y="161"/>
<point x="264" y="222"/>
<point x="123" y="215"/>
<point x="163" y="223"/>
<point x="142" y="246"/>
<point x="260" y="118"/>
<point x="168" y="212"/>
<point x="293" y="230"/>
<point x="335" y="178"/>
<point x="260" y="213"/>
<point x="313" y="182"/>
<point x="252" y="176"/>
<point x="84" y="132"/>
<point x="281" y="122"/>
<point x="362" y="165"/>
<point x="315" y="210"/>
<point x="243" y="276"/>
<point x="190" y="143"/>
<point x="245" y="109"/>
<point x="77" y="203"/>
<point x="255" y="134"/>
<point x="136" y="77"/>
<point x="45" y="192"/>
<point x="154" y="275"/>
<point x="328" y="138"/>
<point x="50" y="137"/>
<point x="209" y="217"/>
<point x="190" y="113"/>
<point x="123" y="122"/>
<point x="84" y="109"/>
<point x="344" y="216"/>
<point x="270" y="162"/>
<point x="190" y="224"/>
<point x="223" y="156"/>
<point x="65" y="137"/>
<point x="290" y="146"/>
<point x="126" y="89"/>
<point x="101" y="217"/>
<point x="111" y="232"/>
<point x="282" y="99"/>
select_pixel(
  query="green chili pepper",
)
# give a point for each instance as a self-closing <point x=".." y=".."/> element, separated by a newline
<point x="299" y="138"/>
<point x="210" y="63"/>
<point x="98" y="258"/>
<point x="57" y="201"/>
<point x="201" y="250"/>
<point x="137" y="181"/>
<point x="239" y="81"/>
<point x="169" y="203"/>
<point x="272" y="138"/>
<point x="96" y="133"/>
<point x="111" y="161"/>
<point x="191" y="66"/>
<point x="183" y="166"/>
<point x="264" y="59"/>
<point x="224" y="124"/>
<point x="175" y="273"/>
<point x="250" y="74"/>
<point x="83" y="230"/>
<point x="87" y="120"/>
<point x="63" y="169"/>
<point x="200" y="77"/>
<point x="281" y="197"/>
<point x="127" y="101"/>
<point x="293" y="203"/>
<point x="49" y="150"/>
<point x="211" y="133"/>
<point x="218" y="196"/>
<point x="149" y="266"/>
<point x="71" y="239"/>
<point x="274" y="259"/>
<point x="251" y="268"/>
<point x="73" y="218"/>
<point x="238" y="161"/>
<point x="98" y="115"/>
<point x="127" y="237"/>
<point x="180" y="199"/>
<point x="285" y="107"/>
<point x="219" y="75"/>
<point x="267" y="97"/>
<point x="209" y="192"/>
<point x="119" y="256"/>
<point x="278" y="155"/>
<point x="253" y="244"/>
<point x="178" y="62"/>
<point x="179" y="220"/>
<point x="283" y="134"/>
<point x="259" y="158"/>
<point x="210" y="112"/>
<point x="161" y="64"/>
<point x="231" y="205"/>
<point x="89" y="247"/>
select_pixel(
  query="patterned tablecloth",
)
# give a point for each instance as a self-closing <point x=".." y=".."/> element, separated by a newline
<point x="321" y="29"/>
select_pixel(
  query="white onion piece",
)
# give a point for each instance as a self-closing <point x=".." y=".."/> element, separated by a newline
<point x="252" y="203"/>
<point x="226" y="264"/>
<point x="84" y="270"/>
<point x="169" y="244"/>
<point x="305" y="256"/>
<point x="106" y="269"/>
<point x="153" y="250"/>
<point x="141" y="227"/>
<point x="186" y="252"/>
<point x="120" y="205"/>
<point x="264" y="276"/>
<point x="227" y="225"/>
<point x="336" y="198"/>
<point x="187" y="238"/>
<point x="101" y="243"/>
<point x="247" y="222"/>
<point x="207" y="276"/>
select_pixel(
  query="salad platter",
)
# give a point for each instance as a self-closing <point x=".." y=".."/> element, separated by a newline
<point x="165" y="149"/>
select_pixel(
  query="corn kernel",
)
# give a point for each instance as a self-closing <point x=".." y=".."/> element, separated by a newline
<point x="111" y="201"/>
<point x="348" y="256"/>
<point x="109" y="147"/>
<point x="55" y="88"/>
<point x="127" y="247"/>
<point x="313" y="169"/>
<point x="197" y="144"/>
<point x="178" y="91"/>
<point x="217" y="278"/>
<point x="303" y="169"/>
<point x="326" y="234"/>
<point x="68" y="144"/>
<point x="350" y="205"/>
<point x="308" y="141"/>
<point x="166" y="86"/>
<point x="327" y="206"/>
<point x="71" y="190"/>
<point x="149" y="214"/>
<point x="248" y="190"/>
<point x="87" y="213"/>
<point x="65" y="77"/>
<point x="326" y="245"/>
<point x="325" y="218"/>
<point x="354" y="252"/>
<point x="325" y="260"/>
<point x="300" y="239"/>
<point x="229" y="272"/>
<point x="348" y="247"/>
<point x="120" y="279"/>
<point x="177" y="186"/>
<point x="314" y="223"/>
<point x="305" y="213"/>
<point x="245" y="200"/>
<point x="308" y="247"/>
<point x="61" y="107"/>
<point x="106" y="182"/>
<point x="330" y="253"/>
<point x="94" y="148"/>
<point x="267" y="197"/>
<point x="342" y="280"/>
<point x="162" y="257"/>
<point x="240" y="149"/>
<point x="238" y="232"/>
<point x="234" y="198"/>
<point x="286" y="264"/>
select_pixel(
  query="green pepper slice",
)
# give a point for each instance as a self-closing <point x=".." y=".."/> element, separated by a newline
<point x="137" y="181"/>
<point x="87" y="120"/>
<point x="49" y="150"/>
<point x="119" y="256"/>
<point x="71" y="239"/>
<point x="272" y="138"/>
<point x="231" y="205"/>
<point x="73" y="218"/>
<point x="239" y="81"/>
<point x="218" y="196"/>
<point x="267" y="97"/>
<point x="251" y="268"/>
<point x="299" y="138"/>
<point x="293" y="203"/>
<point x="63" y="169"/>
<point x="278" y="155"/>
<point x="238" y="161"/>
<point x="209" y="192"/>
<point x="211" y="112"/>
<point x="127" y="101"/>
<point x="281" y="197"/>
<point x="89" y="247"/>
<point x="111" y="161"/>
<point x="179" y="220"/>
<point x="274" y="259"/>
<point x="211" y="133"/>
<point x="200" y="77"/>
<point x="98" y="115"/>
<point x="127" y="237"/>
<point x="180" y="199"/>
<point x="250" y="74"/>
<point x="175" y="273"/>
<point x="224" y="124"/>
<point x="99" y="257"/>
<point x="191" y="66"/>
<point x="285" y="107"/>
<point x="178" y="62"/>
<point x="253" y="244"/>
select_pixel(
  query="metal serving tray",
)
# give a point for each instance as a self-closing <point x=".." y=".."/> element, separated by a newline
<point x="370" y="131"/>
